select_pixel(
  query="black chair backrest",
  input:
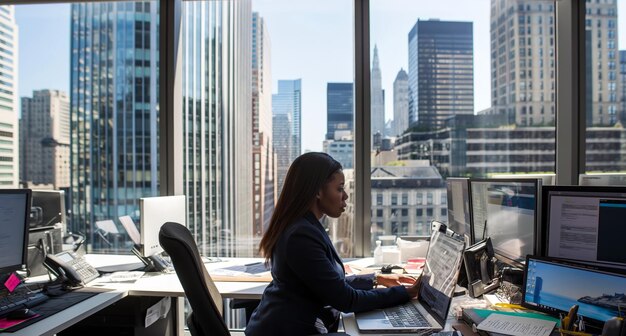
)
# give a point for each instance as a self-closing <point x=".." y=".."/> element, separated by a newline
<point x="205" y="300"/>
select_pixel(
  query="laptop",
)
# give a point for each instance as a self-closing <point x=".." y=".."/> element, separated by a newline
<point x="429" y="312"/>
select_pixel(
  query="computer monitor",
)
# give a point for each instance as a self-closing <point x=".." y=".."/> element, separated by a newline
<point x="154" y="212"/>
<point x="599" y="180"/>
<point x="585" y="224"/>
<point x="47" y="208"/>
<point x="459" y="215"/>
<point x="506" y="211"/>
<point x="14" y="218"/>
<point x="546" y="179"/>
<point x="131" y="229"/>
<point x="553" y="286"/>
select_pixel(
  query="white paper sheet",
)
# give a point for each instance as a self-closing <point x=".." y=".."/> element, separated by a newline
<point x="516" y="325"/>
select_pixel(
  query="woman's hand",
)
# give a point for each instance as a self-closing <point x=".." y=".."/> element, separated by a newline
<point x="414" y="289"/>
<point x="390" y="280"/>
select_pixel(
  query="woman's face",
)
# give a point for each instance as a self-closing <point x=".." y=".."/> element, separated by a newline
<point x="332" y="197"/>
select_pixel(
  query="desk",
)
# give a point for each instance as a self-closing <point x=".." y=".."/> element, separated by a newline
<point x="151" y="285"/>
<point x="66" y="318"/>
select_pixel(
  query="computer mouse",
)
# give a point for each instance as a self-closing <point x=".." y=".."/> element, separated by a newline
<point x="20" y="314"/>
<point x="387" y="269"/>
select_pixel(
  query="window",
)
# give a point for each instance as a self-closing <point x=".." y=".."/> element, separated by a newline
<point x="101" y="120"/>
<point x="604" y="118"/>
<point x="434" y="81"/>
<point x="494" y="111"/>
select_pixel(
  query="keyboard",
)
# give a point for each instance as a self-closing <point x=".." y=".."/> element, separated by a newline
<point x="16" y="301"/>
<point x="406" y="315"/>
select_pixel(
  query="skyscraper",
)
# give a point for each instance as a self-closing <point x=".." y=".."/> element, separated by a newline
<point x="401" y="103"/>
<point x="217" y="125"/>
<point x="441" y="71"/>
<point x="287" y="130"/>
<point x="622" y="80"/>
<point x="377" y="100"/>
<point x="263" y="159"/>
<point x="9" y="130"/>
<point x="114" y="114"/>
<point x="45" y="139"/>
<point x="114" y="111"/>
<point x="523" y="61"/>
<point x="339" y="108"/>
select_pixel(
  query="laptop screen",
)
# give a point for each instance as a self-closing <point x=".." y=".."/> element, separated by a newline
<point x="440" y="273"/>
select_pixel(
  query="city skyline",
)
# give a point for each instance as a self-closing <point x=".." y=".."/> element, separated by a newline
<point x="41" y="26"/>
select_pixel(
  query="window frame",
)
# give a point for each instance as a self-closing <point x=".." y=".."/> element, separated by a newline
<point x="570" y="101"/>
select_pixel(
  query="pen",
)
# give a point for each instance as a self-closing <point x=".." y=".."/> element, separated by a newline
<point x="508" y="305"/>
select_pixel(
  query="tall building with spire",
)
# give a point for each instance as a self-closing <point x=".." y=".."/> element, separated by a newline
<point x="9" y="127"/>
<point x="441" y="72"/>
<point x="45" y="139"/>
<point x="400" y="103"/>
<point x="377" y="100"/>
<point x="287" y="128"/>
<point x="263" y="158"/>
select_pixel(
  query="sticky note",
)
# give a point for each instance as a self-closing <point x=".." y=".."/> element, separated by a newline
<point x="12" y="282"/>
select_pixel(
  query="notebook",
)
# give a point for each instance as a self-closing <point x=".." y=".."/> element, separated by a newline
<point x="428" y="313"/>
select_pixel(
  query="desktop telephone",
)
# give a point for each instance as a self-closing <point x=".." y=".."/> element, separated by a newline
<point x="75" y="271"/>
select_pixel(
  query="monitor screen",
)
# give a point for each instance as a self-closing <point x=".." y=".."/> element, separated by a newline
<point x="602" y="180"/>
<point x="586" y="224"/>
<point x="554" y="286"/>
<point x="459" y="206"/>
<point x="156" y="211"/>
<point x="14" y="217"/>
<point x="506" y="211"/>
<point x="47" y="208"/>
<point x="131" y="229"/>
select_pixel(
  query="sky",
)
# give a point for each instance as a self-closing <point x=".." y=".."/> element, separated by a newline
<point x="310" y="40"/>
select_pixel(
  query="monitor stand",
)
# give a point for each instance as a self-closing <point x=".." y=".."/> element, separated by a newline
<point x="153" y="263"/>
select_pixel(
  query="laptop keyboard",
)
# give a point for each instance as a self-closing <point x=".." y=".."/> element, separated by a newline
<point x="406" y="315"/>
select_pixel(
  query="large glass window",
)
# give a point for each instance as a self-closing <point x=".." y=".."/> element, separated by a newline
<point x="458" y="88"/>
<point x="88" y="111"/>
<point x="263" y="82"/>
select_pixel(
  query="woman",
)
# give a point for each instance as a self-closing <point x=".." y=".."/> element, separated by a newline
<point x="309" y="284"/>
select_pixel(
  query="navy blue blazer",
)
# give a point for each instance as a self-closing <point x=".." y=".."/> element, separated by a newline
<point x="307" y="276"/>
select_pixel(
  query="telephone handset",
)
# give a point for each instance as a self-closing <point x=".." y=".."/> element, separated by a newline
<point x="75" y="270"/>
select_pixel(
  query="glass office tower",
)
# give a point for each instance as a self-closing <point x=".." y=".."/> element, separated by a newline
<point x="114" y="111"/>
<point x="441" y="72"/>
<point x="9" y="131"/>
<point x="339" y="108"/>
<point x="217" y="125"/>
<point x="287" y="130"/>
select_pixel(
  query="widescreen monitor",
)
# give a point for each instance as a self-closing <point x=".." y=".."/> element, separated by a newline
<point x="585" y="224"/>
<point x="459" y="215"/>
<point x="506" y="211"/>
<point x="156" y="211"/>
<point x="14" y="218"/>
<point x="554" y="286"/>
<point x="47" y="208"/>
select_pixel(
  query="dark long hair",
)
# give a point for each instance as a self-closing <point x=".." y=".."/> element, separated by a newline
<point x="305" y="178"/>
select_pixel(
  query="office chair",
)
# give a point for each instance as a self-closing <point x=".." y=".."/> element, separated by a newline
<point x="206" y="302"/>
